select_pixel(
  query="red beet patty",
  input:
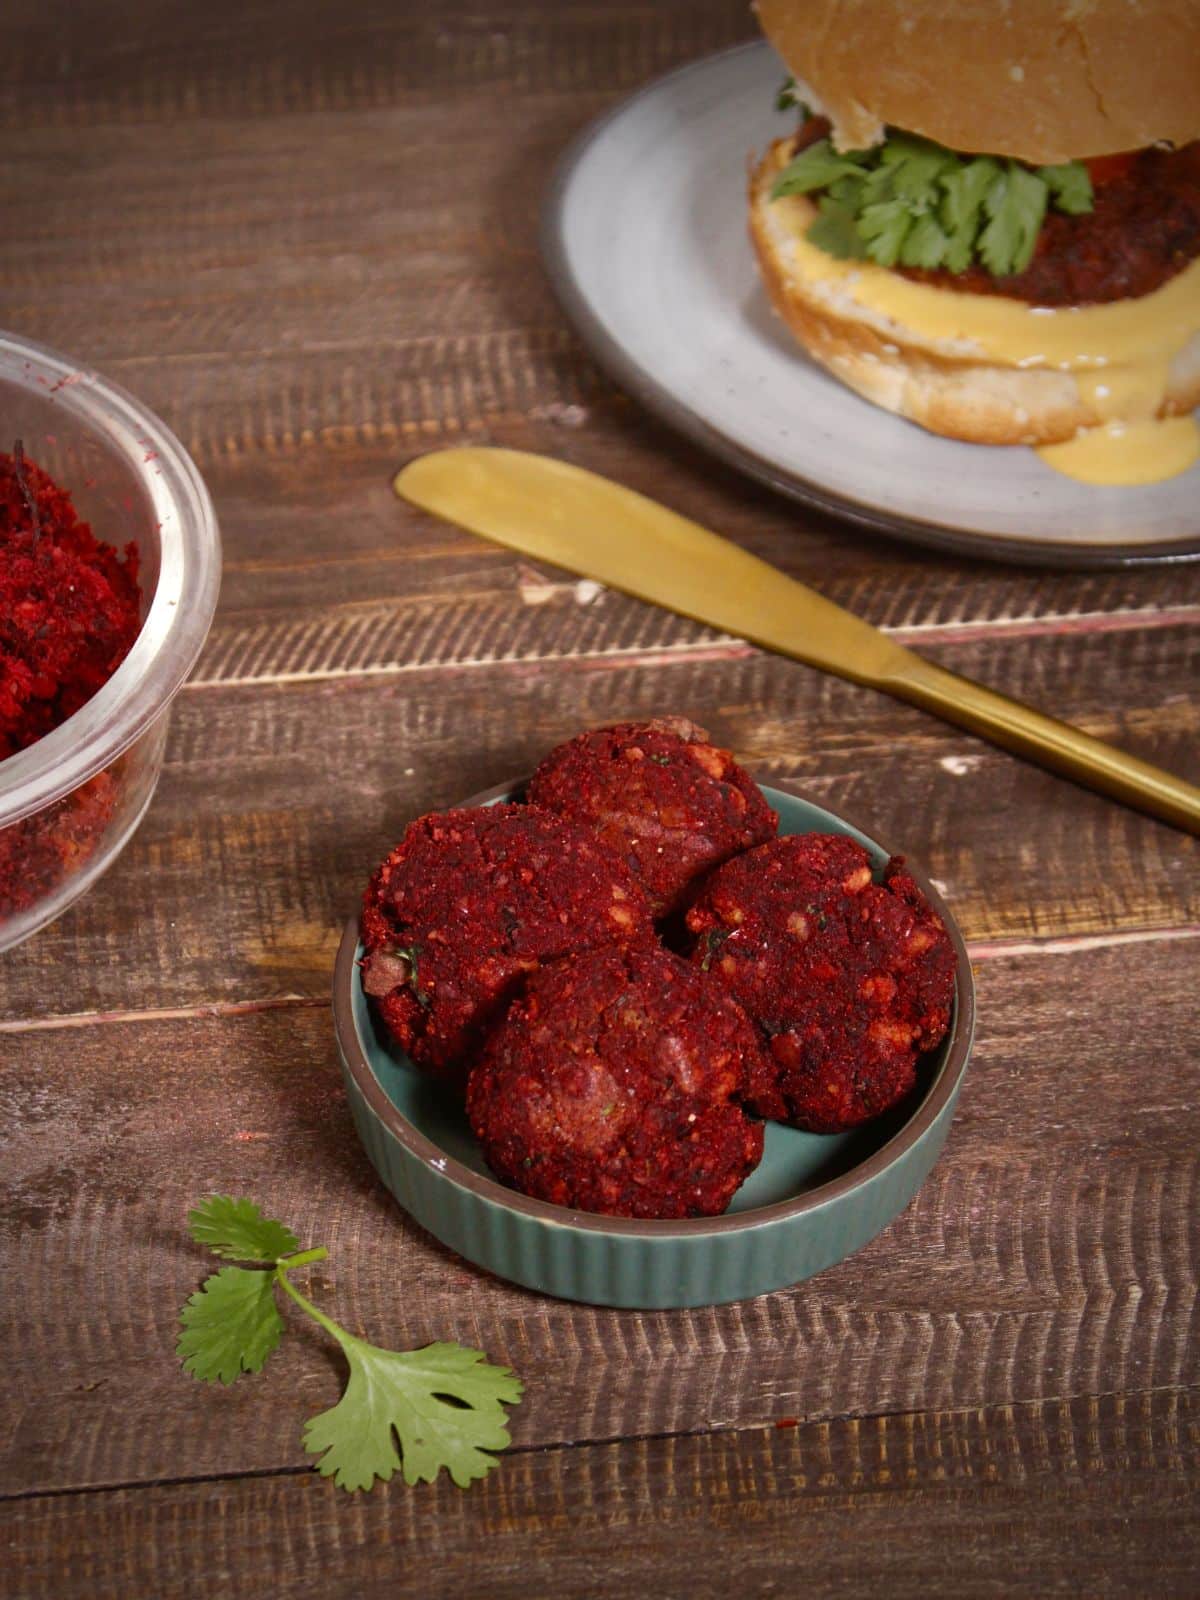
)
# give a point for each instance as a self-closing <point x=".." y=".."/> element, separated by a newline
<point x="468" y="902"/>
<point x="615" y="1084"/>
<point x="847" y="978"/>
<point x="658" y="793"/>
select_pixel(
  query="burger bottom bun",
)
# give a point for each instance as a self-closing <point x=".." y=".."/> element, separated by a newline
<point x="926" y="380"/>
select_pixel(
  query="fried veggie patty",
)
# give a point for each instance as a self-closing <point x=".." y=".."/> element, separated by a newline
<point x="468" y="902"/>
<point x="669" y="802"/>
<point x="615" y="1084"/>
<point x="848" y="979"/>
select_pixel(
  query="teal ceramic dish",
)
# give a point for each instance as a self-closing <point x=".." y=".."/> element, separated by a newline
<point x="813" y="1200"/>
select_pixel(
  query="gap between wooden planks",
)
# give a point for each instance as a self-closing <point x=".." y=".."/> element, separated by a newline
<point x="865" y="1454"/>
<point x="718" y="647"/>
<point x="1052" y="1251"/>
<point x="917" y="1504"/>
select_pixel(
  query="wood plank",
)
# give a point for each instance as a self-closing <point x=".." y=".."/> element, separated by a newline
<point x="253" y="322"/>
<point x="324" y="260"/>
<point x="275" y="806"/>
<point x="1098" y="1497"/>
<point x="324" y="567"/>
<point x="193" y="67"/>
<point x="258" y="334"/>
<point x="307" y="214"/>
<point x="1053" y="1251"/>
<point x="315" y="197"/>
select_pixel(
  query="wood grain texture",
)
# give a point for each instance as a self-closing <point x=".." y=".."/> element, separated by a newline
<point x="365" y="582"/>
<point x="1054" y="1251"/>
<point x="62" y="68"/>
<point x="927" y="1502"/>
<point x="398" y="291"/>
<point x="308" y="238"/>
<point x="278" y="800"/>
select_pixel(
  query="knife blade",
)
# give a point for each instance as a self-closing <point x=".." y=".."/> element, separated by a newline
<point x="572" y="518"/>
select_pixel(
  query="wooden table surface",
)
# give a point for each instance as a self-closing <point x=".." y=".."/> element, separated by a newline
<point x="307" y="237"/>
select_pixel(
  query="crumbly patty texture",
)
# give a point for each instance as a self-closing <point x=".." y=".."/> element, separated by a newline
<point x="468" y="902"/>
<point x="848" y="979"/>
<point x="669" y="802"/>
<point x="615" y="1084"/>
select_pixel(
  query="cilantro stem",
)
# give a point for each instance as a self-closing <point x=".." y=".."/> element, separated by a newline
<point x="303" y="1259"/>
<point x="306" y="1305"/>
<point x="418" y="1411"/>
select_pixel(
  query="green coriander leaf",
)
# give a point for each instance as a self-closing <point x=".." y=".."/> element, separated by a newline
<point x="884" y="227"/>
<point x="878" y="185"/>
<point x="833" y="230"/>
<point x="848" y="192"/>
<point x="420" y="1410"/>
<point x="814" y="168"/>
<point x="960" y="211"/>
<point x="910" y="202"/>
<point x="787" y="99"/>
<point x="916" y="166"/>
<point x="410" y="954"/>
<point x="959" y="249"/>
<point x="237" y="1230"/>
<point x="924" y="244"/>
<point x="1015" y="204"/>
<point x="230" y="1325"/>
<point x="963" y="189"/>
<point x="1070" y="186"/>
<point x="396" y="966"/>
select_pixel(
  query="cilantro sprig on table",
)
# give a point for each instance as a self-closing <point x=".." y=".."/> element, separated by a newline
<point x="913" y="203"/>
<point x="419" y="1410"/>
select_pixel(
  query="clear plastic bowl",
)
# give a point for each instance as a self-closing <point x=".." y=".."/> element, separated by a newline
<point x="71" y="802"/>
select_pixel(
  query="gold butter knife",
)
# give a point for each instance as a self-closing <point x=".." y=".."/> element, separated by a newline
<point x="575" y="519"/>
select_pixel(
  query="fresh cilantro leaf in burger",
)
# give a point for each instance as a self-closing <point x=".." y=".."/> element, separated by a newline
<point x="988" y="219"/>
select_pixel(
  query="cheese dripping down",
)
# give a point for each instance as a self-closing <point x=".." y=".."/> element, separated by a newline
<point x="1132" y="445"/>
<point x="1126" y="453"/>
<point x="1120" y="354"/>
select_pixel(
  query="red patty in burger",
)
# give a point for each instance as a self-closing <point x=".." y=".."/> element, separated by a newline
<point x="1142" y="229"/>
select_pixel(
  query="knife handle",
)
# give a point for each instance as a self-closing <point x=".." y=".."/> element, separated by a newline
<point x="1051" y="743"/>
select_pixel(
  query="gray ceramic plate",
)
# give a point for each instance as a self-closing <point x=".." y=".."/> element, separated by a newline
<point x="812" y="1201"/>
<point x="645" y="238"/>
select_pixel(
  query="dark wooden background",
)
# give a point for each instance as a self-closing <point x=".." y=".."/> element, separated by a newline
<point x="306" y="235"/>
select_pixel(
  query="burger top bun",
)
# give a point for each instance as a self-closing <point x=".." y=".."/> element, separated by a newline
<point x="1041" y="80"/>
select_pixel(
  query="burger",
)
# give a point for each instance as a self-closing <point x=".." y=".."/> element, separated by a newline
<point x="988" y="218"/>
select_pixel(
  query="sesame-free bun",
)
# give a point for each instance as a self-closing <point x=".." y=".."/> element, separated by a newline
<point x="1040" y="80"/>
<point x="940" y="382"/>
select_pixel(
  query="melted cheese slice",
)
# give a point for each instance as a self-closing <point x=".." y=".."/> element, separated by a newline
<point x="1120" y="354"/>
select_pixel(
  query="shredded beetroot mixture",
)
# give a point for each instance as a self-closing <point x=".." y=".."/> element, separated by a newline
<point x="38" y="852"/>
<point x="69" y="606"/>
<point x="69" y="613"/>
